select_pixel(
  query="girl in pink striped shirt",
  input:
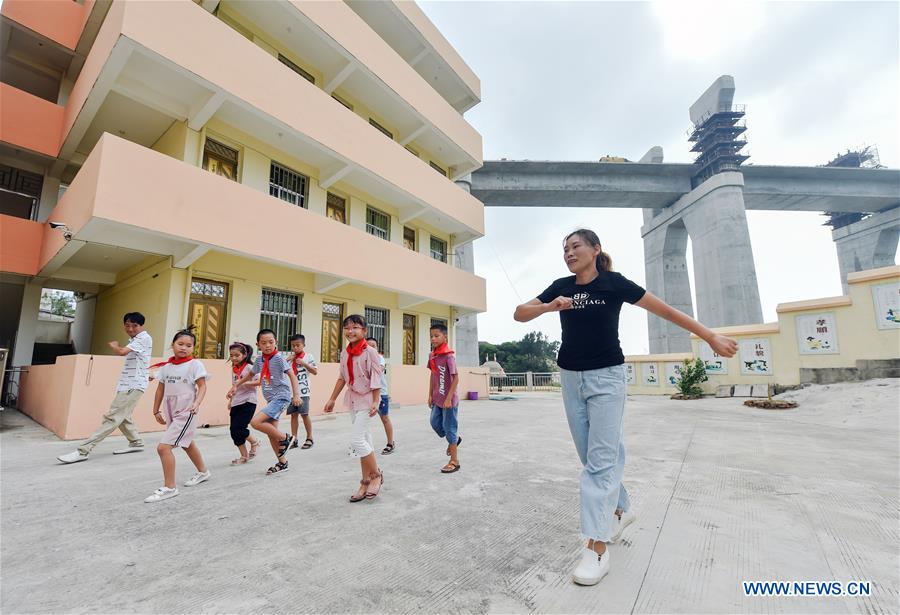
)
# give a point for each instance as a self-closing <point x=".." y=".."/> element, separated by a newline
<point x="361" y="373"/>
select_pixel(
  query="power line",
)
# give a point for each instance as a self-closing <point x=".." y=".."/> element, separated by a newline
<point x="500" y="261"/>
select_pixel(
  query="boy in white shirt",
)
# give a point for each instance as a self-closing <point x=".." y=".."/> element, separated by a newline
<point x="132" y="384"/>
<point x="302" y="364"/>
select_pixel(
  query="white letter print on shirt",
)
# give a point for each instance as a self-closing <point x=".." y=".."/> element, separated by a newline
<point x="582" y="300"/>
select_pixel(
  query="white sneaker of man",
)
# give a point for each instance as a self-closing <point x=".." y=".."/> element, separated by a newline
<point x="622" y="521"/>
<point x="73" y="457"/>
<point x="592" y="567"/>
<point x="130" y="449"/>
<point x="163" y="493"/>
<point x="197" y="478"/>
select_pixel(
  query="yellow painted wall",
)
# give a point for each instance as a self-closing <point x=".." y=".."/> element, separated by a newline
<point x="858" y="338"/>
<point x="152" y="288"/>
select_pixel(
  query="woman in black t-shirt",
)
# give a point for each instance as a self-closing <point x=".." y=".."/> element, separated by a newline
<point x="593" y="383"/>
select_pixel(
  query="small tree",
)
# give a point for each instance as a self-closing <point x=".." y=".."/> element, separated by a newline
<point x="692" y="375"/>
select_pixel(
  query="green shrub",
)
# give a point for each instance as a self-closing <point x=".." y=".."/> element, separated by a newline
<point x="692" y="375"/>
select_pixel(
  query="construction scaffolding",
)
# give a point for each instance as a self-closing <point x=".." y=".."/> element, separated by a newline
<point x="865" y="157"/>
<point x="719" y="138"/>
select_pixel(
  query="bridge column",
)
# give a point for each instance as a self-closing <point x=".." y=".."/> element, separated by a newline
<point x="713" y="216"/>
<point x="665" y="262"/>
<point x="466" y="324"/>
<point x="867" y="244"/>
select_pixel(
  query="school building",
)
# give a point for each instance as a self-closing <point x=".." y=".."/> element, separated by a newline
<point x="232" y="164"/>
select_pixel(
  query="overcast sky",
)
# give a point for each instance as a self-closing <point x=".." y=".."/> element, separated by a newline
<point x="580" y="80"/>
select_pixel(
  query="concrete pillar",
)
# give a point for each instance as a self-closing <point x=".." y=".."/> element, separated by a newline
<point x="713" y="216"/>
<point x="665" y="263"/>
<point x="727" y="290"/>
<point x="466" y="324"/>
<point x="867" y="244"/>
<point x="529" y="381"/>
<point x="28" y="320"/>
<point x="49" y="198"/>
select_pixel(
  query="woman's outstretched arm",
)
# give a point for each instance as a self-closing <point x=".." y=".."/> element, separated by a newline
<point x="722" y="345"/>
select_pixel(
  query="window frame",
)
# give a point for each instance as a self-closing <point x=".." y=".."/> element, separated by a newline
<point x="443" y="255"/>
<point x="329" y="194"/>
<point x="438" y="168"/>
<point x="282" y="190"/>
<point x="375" y="211"/>
<point x="415" y="238"/>
<point x="283" y="344"/>
<point x="384" y="344"/>
<point x="375" y="124"/>
<point x="296" y="68"/>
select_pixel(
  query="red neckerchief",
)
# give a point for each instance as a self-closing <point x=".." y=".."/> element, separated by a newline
<point x="294" y="360"/>
<point x="173" y="361"/>
<point x="354" y="351"/>
<point x="440" y="350"/>
<point x="237" y="369"/>
<point x="266" y="375"/>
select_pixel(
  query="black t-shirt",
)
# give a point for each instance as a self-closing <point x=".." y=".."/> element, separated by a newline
<point x="590" y="330"/>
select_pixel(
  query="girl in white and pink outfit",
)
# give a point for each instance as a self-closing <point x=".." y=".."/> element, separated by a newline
<point x="361" y="371"/>
<point x="182" y="386"/>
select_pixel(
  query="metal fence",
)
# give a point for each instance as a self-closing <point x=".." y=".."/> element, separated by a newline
<point x="525" y="381"/>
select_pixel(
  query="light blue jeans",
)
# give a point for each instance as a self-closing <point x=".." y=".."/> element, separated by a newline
<point x="595" y="409"/>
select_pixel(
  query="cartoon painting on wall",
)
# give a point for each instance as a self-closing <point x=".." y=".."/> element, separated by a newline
<point x="649" y="374"/>
<point x="673" y="373"/>
<point x="817" y="333"/>
<point x="629" y="374"/>
<point x="756" y="357"/>
<point x="887" y="305"/>
<point x="715" y="363"/>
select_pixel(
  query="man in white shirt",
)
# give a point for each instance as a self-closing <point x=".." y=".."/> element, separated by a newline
<point x="132" y="383"/>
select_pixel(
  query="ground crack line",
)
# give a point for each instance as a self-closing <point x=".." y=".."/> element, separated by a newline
<point x="662" y="525"/>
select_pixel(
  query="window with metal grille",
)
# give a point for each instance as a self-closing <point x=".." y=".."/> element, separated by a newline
<point x="409" y="339"/>
<point x="438" y="249"/>
<point x="336" y="208"/>
<point x="382" y="129"/>
<point x="438" y="321"/>
<point x="287" y="185"/>
<point x="437" y="168"/>
<point x="378" y="223"/>
<point x="409" y="238"/>
<point x="280" y="312"/>
<point x="296" y="69"/>
<point x="205" y="288"/>
<point x="378" y="321"/>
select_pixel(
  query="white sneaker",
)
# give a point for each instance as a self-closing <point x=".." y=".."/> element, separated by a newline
<point x="592" y="568"/>
<point x="73" y="457"/>
<point x="622" y="522"/>
<point x="130" y="449"/>
<point x="163" y="493"/>
<point x="197" y="478"/>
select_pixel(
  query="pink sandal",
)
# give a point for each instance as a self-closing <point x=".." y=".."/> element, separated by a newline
<point x="253" y="449"/>
<point x="239" y="461"/>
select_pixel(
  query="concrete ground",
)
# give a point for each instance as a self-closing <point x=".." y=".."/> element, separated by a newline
<point x="723" y="494"/>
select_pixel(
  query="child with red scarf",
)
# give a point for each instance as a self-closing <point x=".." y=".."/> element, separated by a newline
<point x="442" y="397"/>
<point x="302" y="364"/>
<point x="242" y="406"/>
<point x="279" y="389"/>
<point x="361" y="373"/>
<point x="182" y="386"/>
